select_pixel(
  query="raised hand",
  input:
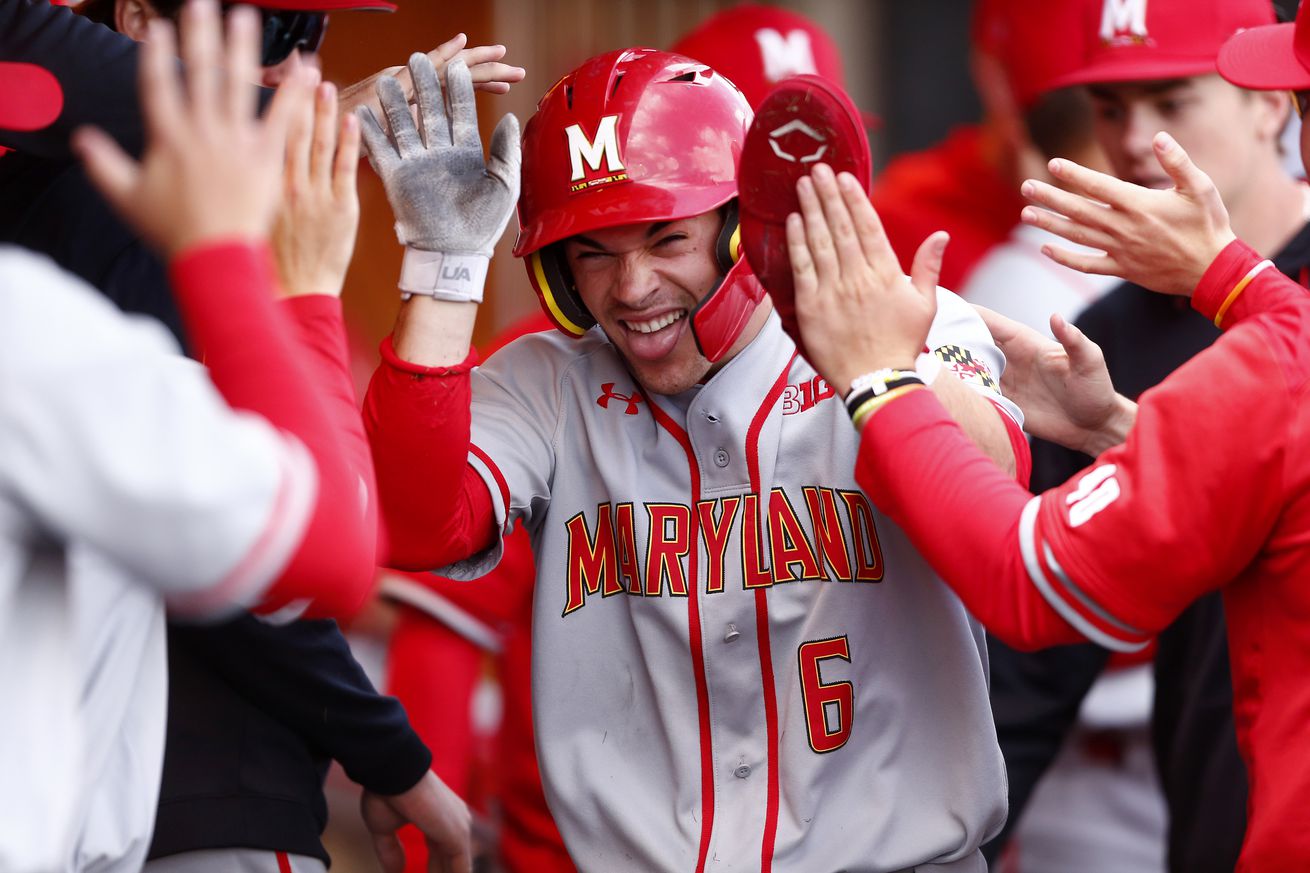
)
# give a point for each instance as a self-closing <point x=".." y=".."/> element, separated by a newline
<point x="857" y="310"/>
<point x="314" y="235"/>
<point x="1162" y="240"/>
<point x="1063" y="387"/>
<point x="211" y="168"/>
<point x="446" y="197"/>
<point x="486" y="69"/>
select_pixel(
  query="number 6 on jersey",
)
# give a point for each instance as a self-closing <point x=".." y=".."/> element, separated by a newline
<point x="829" y="706"/>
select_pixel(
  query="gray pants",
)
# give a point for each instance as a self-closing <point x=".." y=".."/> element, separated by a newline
<point x="235" y="861"/>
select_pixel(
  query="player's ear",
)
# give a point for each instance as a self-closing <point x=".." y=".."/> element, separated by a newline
<point x="1274" y="111"/>
<point x="132" y="16"/>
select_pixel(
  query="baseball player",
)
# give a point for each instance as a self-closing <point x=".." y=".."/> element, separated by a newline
<point x="738" y="663"/>
<point x="1199" y="488"/>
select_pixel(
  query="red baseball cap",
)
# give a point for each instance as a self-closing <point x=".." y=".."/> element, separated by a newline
<point x="1142" y="40"/>
<point x="30" y="97"/>
<point x="1270" y="58"/>
<point x="757" y="47"/>
<point x="1036" y="42"/>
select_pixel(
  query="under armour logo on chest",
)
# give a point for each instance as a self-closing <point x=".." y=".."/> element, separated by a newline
<point x="603" y="401"/>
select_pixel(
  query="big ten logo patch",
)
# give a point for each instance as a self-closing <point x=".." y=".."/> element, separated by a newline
<point x="609" y="553"/>
<point x="587" y="154"/>
<point x="1123" y="22"/>
<point x="785" y="56"/>
<point x="626" y="402"/>
<point x="806" y="395"/>
<point x="962" y="363"/>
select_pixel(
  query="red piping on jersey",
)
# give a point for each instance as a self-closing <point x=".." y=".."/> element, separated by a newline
<point x="694" y="634"/>
<point x="495" y="473"/>
<point x="762" y="626"/>
<point x="283" y="863"/>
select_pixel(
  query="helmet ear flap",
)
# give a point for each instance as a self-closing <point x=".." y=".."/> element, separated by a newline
<point x="727" y="248"/>
<point x="554" y="286"/>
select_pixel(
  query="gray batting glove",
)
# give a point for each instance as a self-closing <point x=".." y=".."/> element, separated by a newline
<point x="451" y="204"/>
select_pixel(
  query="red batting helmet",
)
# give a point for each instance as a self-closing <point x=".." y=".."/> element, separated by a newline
<point x="633" y="136"/>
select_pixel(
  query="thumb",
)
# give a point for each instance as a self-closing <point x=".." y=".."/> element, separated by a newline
<point x="927" y="266"/>
<point x="1084" y="355"/>
<point x="506" y="153"/>
<point x="108" y="166"/>
<point x="1188" y="177"/>
<point x="1001" y="328"/>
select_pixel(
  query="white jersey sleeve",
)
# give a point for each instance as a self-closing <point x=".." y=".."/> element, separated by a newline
<point x="518" y="413"/>
<point x="959" y="341"/>
<point x="111" y="438"/>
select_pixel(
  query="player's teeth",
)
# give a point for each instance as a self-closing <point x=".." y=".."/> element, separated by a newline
<point x="655" y="323"/>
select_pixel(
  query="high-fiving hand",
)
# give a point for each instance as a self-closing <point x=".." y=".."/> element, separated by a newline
<point x="1162" y="240"/>
<point x="858" y="312"/>
<point x="211" y="168"/>
<point x="447" y="198"/>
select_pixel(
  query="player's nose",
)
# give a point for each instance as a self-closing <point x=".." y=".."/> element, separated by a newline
<point x="635" y="282"/>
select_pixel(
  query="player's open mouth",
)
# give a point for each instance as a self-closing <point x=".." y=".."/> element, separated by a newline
<point x="655" y="324"/>
<point x="651" y="339"/>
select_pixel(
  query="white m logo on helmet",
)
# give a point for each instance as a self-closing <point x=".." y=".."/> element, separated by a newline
<point x="785" y="56"/>
<point x="1123" y="18"/>
<point x="605" y="146"/>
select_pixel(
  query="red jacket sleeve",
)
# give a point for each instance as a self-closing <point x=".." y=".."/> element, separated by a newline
<point x="435" y="508"/>
<point x="1119" y="550"/>
<point x="1240" y="284"/>
<point x="225" y="295"/>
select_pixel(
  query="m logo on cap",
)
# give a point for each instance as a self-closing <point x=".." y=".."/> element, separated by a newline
<point x="1123" y="22"/>
<point x="603" y="147"/>
<point x="785" y="56"/>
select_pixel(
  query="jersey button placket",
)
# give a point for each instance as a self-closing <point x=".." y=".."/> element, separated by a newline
<point x="721" y="457"/>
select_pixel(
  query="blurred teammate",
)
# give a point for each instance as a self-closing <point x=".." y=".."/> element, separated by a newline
<point x="127" y="477"/>
<point x="968" y="183"/>
<point x="1164" y="78"/>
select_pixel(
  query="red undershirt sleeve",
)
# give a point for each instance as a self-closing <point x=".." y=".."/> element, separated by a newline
<point x="225" y="295"/>
<point x="435" y="508"/>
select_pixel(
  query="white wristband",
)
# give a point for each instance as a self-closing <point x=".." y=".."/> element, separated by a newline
<point x="442" y="276"/>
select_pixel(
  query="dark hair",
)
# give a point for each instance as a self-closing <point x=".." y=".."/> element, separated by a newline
<point x="102" y="11"/>
<point x="1060" y="122"/>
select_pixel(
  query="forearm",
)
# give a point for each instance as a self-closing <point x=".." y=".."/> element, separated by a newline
<point x="434" y="508"/>
<point x="225" y="295"/>
<point x="977" y="417"/>
<point x="960" y="511"/>
<point x="434" y="333"/>
<point x="320" y="326"/>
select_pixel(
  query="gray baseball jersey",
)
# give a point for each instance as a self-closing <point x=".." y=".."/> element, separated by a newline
<point x="124" y="479"/>
<point x="738" y="662"/>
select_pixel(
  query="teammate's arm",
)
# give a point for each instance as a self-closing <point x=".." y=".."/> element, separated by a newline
<point x="451" y="206"/>
<point x="1041" y="571"/>
<point x="844" y="247"/>
<point x="205" y="195"/>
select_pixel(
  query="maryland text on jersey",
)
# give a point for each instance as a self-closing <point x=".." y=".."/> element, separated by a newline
<point x="840" y="544"/>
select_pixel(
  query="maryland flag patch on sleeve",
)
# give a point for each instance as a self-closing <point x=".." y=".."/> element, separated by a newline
<point x="962" y="363"/>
